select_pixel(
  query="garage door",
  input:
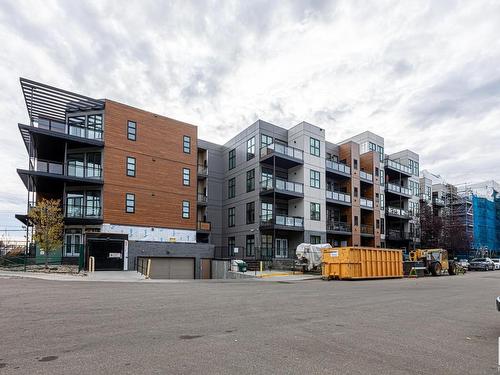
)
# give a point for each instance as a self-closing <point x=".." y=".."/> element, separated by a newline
<point x="172" y="268"/>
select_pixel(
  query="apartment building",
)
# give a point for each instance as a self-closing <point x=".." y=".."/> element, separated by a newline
<point x="126" y="178"/>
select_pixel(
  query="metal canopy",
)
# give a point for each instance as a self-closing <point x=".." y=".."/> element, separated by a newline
<point x="44" y="101"/>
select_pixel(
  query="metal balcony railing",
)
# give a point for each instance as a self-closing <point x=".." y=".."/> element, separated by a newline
<point x="204" y="225"/>
<point x="366" y="229"/>
<point x="71" y="170"/>
<point x="333" y="165"/>
<point x="283" y="185"/>
<point x="202" y="170"/>
<point x="365" y="202"/>
<point x="286" y="221"/>
<point x="438" y="201"/>
<point x="283" y="150"/>
<point x="397" y="189"/>
<point x="397" y="235"/>
<point x="82" y="211"/>
<point x="338" y="196"/>
<point x="338" y="226"/>
<point x="366" y="176"/>
<point x="398" y="166"/>
<point x="397" y="211"/>
<point x="202" y="198"/>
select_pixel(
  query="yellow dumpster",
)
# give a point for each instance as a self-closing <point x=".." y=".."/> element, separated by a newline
<point x="361" y="263"/>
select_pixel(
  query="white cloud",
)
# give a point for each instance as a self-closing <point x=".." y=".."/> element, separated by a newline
<point x="424" y="75"/>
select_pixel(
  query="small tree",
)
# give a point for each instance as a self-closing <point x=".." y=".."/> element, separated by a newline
<point x="48" y="220"/>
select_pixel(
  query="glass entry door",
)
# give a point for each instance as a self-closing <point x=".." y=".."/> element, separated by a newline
<point x="281" y="248"/>
<point x="72" y="242"/>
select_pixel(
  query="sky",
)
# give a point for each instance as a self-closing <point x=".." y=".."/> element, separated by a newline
<point x="425" y="75"/>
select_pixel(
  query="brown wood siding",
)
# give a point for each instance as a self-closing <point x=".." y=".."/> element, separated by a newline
<point x="158" y="185"/>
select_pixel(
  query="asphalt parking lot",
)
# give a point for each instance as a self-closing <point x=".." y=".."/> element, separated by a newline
<point x="444" y="325"/>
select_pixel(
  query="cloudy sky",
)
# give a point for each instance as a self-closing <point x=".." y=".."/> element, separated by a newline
<point x="423" y="74"/>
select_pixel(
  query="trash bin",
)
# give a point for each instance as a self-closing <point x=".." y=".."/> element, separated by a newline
<point x="242" y="267"/>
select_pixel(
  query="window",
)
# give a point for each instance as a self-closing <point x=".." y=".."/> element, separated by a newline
<point x="250" y="246"/>
<point x="376" y="171"/>
<point x="380" y="151"/>
<point x="355" y="192"/>
<point x="414" y="187"/>
<point x="314" y="240"/>
<point x="231" y="216"/>
<point x="186" y="144"/>
<point x="185" y="176"/>
<point x="377" y="197"/>
<point x="232" y="158"/>
<point x="356" y="221"/>
<point x="266" y="241"/>
<point x="94" y="126"/>
<point x="130" y="166"/>
<point x="129" y="203"/>
<point x="414" y="167"/>
<point x="382" y="226"/>
<point x="382" y="201"/>
<point x="382" y="177"/>
<point x="250" y="212"/>
<point x="266" y="212"/>
<point x="265" y="140"/>
<point x="355" y="163"/>
<point x="131" y="130"/>
<point x="231" y="188"/>
<point x="314" y="146"/>
<point x="251" y="148"/>
<point x="377" y="224"/>
<point x="315" y="211"/>
<point x="315" y="179"/>
<point x="185" y="209"/>
<point x="231" y="244"/>
<point x="250" y="180"/>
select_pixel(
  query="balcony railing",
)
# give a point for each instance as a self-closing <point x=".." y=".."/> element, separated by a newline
<point x="80" y="171"/>
<point x="202" y="170"/>
<point x="283" y="185"/>
<point x="202" y="198"/>
<point x="283" y="150"/>
<point x="344" y="168"/>
<point x="337" y="196"/>
<point x="397" y="235"/>
<point x="397" y="189"/>
<point x="366" y="176"/>
<point x="366" y="229"/>
<point x="438" y="201"/>
<point x="281" y="220"/>
<point x="82" y="211"/>
<point x="364" y="202"/>
<point x="204" y="226"/>
<point x="338" y="226"/>
<point x="397" y="211"/>
<point x="71" y="129"/>
<point x="398" y="166"/>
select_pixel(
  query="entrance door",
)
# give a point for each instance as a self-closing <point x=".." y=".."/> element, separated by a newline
<point x="281" y="248"/>
<point x="72" y="243"/>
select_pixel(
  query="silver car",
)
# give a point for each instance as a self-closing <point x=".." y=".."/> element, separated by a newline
<point x="484" y="264"/>
<point x="497" y="263"/>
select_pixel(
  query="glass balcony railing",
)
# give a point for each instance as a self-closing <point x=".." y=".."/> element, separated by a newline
<point x="283" y="150"/>
<point x="398" y="166"/>
<point x="397" y="211"/>
<point x="338" y="226"/>
<point x="438" y="201"/>
<point x="49" y="167"/>
<point x="397" y="189"/>
<point x="364" y="202"/>
<point x="72" y="170"/>
<point x="286" y="221"/>
<point x="337" y="196"/>
<point x="283" y="185"/>
<point x="90" y="131"/>
<point x="202" y="170"/>
<point x="202" y="198"/>
<point x="333" y="165"/>
<point x="204" y="225"/>
<point x="366" y="176"/>
<point x="366" y="229"/>
<point x="82" y="211"/>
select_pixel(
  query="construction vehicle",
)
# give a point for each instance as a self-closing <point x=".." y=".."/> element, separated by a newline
<point x="431" y="261"/>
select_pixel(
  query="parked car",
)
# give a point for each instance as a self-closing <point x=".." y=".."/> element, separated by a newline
<point x="497" y="263"/>
<point x="483" y="264"/>
<point x="464" y="263"/>
<point x="498" y="303"/>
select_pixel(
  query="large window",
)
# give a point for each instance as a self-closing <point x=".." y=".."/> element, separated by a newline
<point x="130" y="166"/>
<point x="231" y="244"/>
<point x="382" y="177"/>
<point x="89" y="126"/>
<point x="231" y="188"/>
<point x="129" y="203"/>
<point x="131" y="130"/>
<point x="266" y="242"/>
<point x="314" y="146"/>
<point x="232" y="158"/>
<point x="414" y="187"/>
<point x="265" y="140"/>
<point x="382" y="226"/>
<point x="186" y="176"/>
<point x="380" y="151"/>
<point x="414" y="167"/>
<point x="185" y="209"/>
<point x="251" y="148"/>
<point x="250" y="246"/>
<point x="315" y="179"/>
<point x="250" y="180"/>
<point x="315" y="211"/>
<point x="266" y="211"/>
<point x="93" y="203"/>
<point x="231" y="216"/>
<point x="250" y="213"/>
<point x="382" y="201"/>
<point x="314" y="240"/>
<point x="186" y="144"/>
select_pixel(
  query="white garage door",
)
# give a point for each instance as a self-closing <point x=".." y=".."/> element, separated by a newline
<point x="172" y="268"/>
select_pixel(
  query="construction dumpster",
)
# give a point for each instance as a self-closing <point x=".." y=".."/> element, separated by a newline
<point x="361" y="263"/>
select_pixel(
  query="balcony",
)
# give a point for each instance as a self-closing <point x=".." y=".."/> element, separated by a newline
<point x="337" y="168"/>
<point x="283" y="189"/>
<point x="438" y="201"/>
<point x="338" y="197"/>
<point x="366" y="230"/>
<point x="366" y="177"/>
<point x="398" y="167"/>
<point x="203" y="226"/>
<point x="397" y="235"/>
<point x="396" y="189"/>
<point x="284" y="156"/>
<point x="202" y="171"/>
<point x="397" y="212"/>
<point x="366" y="203"/>
<point x="293" y="223"/>
<point x="338" y="227"/>
<point x="201" y="200"/>
<point x="77" y="214"/>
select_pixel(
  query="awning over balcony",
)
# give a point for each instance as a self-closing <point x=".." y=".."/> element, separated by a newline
<point x="44" y="101"/>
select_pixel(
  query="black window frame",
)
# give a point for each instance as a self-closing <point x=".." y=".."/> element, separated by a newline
<point x="250" y="213"/>
<point x="250" y="180"/>
<point x="131" y="136"/>
<point x="129" y="197"/>
<point x="316" y="238"/>
<point x="232" y="159"/>
<point x="249" y="244"/>
<point x="264" y="138"/>
<point x="315" y="176"/>
<point x="250" y="148"/>
<point x="184" y="169"/>
<point x="315" y="214"/>
<point x="131" y="172"/>
<point x="186" y="214"/>
<point x="314" y="146"/>
<point x="186" y="140"/>
<point x="231" y="188"/>
<point x="231" y="217"/>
